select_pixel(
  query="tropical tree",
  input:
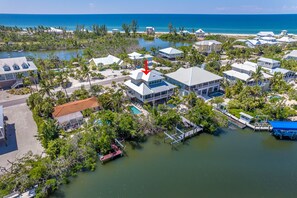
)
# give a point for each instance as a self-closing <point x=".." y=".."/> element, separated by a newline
<point x="134" y="27"/>
<point x="257" y="76"/>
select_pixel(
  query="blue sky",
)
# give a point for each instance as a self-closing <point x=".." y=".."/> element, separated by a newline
<point x="148" y="6"/>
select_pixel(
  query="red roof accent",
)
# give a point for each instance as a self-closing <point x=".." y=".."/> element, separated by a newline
<point x="75" y="106"/>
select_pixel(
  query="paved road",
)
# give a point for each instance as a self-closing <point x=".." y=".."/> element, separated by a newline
<point x="69" y="90"/>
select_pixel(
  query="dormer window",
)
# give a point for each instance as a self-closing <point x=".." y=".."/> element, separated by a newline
<point x="6" y="68"/>
<point x="16" y="67"/>
<point x="25" y="66"/>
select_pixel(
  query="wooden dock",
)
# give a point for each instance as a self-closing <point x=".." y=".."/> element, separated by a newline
<point x="180" y="136"/>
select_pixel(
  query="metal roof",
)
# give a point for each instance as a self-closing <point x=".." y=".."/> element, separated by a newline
<point x="193" y="76"/>
<point x="283" y="125"/>
<point x="15" y="65"/>
<point x="171" y="51"/>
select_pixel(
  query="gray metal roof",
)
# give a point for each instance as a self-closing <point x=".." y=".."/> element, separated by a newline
<point x="16" y="65"/>
<point x="143" y="89"/>
<point x="268" y="60"/>
<point x="193" y="76"/>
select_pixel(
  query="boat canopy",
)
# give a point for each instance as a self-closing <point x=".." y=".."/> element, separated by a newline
<point x="283" y="125"/>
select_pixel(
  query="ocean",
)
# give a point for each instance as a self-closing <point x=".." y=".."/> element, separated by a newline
<point x="244" y="24"/>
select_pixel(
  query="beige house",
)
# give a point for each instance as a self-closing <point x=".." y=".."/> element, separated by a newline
<point x="208" y="46"/>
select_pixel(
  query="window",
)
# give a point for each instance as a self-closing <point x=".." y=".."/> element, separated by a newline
<point x="6" y="68"/>
<point x="25" y="66"/>
<point x="16" y="67"/>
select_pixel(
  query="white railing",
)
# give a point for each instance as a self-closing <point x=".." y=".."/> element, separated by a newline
<point x="17" y="83"/>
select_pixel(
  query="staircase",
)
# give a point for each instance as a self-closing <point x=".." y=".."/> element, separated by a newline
<point x="16" y="84"/>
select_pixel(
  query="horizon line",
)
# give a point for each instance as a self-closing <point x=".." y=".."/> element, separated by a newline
<point x="150" y="13"/>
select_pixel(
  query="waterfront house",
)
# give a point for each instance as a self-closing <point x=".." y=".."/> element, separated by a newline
<point x="2" y="125"/>
<point x="54" y="31"/>
<point x="208" y="46"/>
<point x="105" y="61"/>
<point x="139" y="58"/>
<point x="265" y="34"/>
<point x="273" y="66"/>
<point x="150" y="30"/>
<point x="69" y="115"/>
<point x="200" y="33"/>
<point x="243" y="72"/>
<point x="291" y="56"/>
<point x="170" y="53"/>
<point x="149" y="88"/>
<point x="10" y="68"/>
<point x="196" y="80"/>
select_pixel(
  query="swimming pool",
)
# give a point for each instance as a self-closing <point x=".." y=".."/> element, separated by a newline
<point x="135" y="110"/>
<point x="216" y="94"/>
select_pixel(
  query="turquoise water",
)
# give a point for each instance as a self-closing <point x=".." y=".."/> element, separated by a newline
<point x="210" y="23"/>
<point x="236" y="163"/>
<point x="216" y="94"/>
<point x="135" y="110"/>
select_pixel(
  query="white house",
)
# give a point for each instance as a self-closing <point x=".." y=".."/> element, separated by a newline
<point x="105" y="61"/>
<point x="268" y="63"/>
<point x="148" y="88"/>
<point x="170" y="53"/>
<point x="55" y="30"/>
<point x="150" y="30"/>
<point x="273" y="66"/>
<point x="200" y="33"/>
<point x="208" y="46"/>
<point x="286" y="39"/>
<point x="11" y="67"/>
<point x="265" y="34"/>
<point x="2" y="126"/>
<point x="196" y="80"/>
<point x="135" y="56"/>
<point x="243" y="72"/>
<point x="292" y="55"/>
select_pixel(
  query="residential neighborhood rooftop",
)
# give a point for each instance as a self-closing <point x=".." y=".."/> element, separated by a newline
<point x="171" y="51"/>
<point x="208" y="42"/>
<point x="76" y="106"/>
<point x="193" y="76"/>
<point x="151" y="76"/>
<point x="108" y="60"/>
<point x="268" y="60"/>
<point x="14" y="65"/>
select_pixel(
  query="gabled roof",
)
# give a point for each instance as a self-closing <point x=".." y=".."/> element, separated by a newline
<point x="152" y="76"/>
<point x="200" y="31"/>
<point x="287" y="39"/>
<point x="108" y="60"/>
<point x="293" y="53"/>
<point x="265" y="34"/>
<point x="76" y="106"/>
<point x="11" y="64"/>
<point x="171" y="51"/>
<point x="136" y="56"/>
<point x="144" y="89"/>
<point x="208" y="42"/>
<point x="268" y="60"/>
<point x="193" y="76"/>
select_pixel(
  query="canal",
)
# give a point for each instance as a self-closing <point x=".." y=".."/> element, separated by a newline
<point x="236" y="163"/>
<point x="68" y="54"/>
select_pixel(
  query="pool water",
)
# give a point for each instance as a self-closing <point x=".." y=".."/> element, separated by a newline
<point x="216" y="94"/>
<point x="134" y="110"/>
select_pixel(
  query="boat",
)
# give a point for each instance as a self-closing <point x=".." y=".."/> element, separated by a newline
<point x="116" y="152"/>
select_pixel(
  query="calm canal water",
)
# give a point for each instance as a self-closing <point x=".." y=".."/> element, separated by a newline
<point x="68" y="54"/>
<point x="237" y="163"/>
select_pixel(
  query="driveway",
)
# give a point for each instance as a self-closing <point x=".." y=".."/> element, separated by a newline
<point x="21" y="134"/>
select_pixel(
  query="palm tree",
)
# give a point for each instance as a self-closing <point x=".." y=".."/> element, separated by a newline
<point x="85" y="71"/>
<point x="257" y="76"/>
<point x="62" y="80"/>
<point x="33" y="77"/>
<point x="46" y="88"/>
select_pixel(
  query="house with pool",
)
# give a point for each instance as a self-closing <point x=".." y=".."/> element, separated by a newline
<point x="196" y="80"/>
<point x="151" y="88"/>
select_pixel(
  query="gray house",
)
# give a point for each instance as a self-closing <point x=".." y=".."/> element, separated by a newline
<point x="195" y="80"/>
